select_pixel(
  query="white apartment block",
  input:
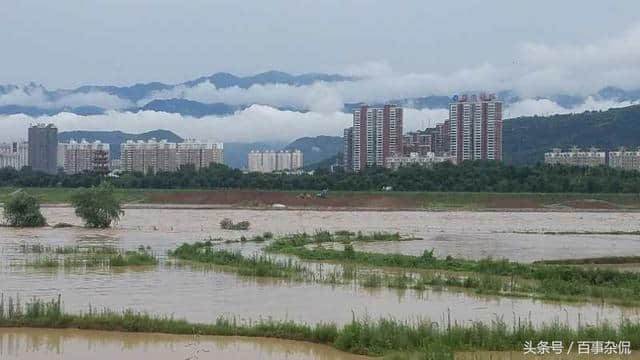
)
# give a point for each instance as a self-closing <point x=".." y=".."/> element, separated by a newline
<point x="576" y="157"/>
<point x="14" y="154"/>
<point x="297" y="160"/>
<point x="625" y="159"/>
<point x="199" y="154"/>
<point x="424" y="160"/>
<point x="151" y="156"/>
<point x="270" y="161"/>
<point x="78" y="157"/>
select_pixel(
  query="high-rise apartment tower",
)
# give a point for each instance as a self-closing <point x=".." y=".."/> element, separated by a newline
<point x="475" y="128"/>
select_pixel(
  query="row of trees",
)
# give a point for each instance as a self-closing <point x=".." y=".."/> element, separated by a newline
<point x="476" y="176"/>
<point x="97" y="206"/>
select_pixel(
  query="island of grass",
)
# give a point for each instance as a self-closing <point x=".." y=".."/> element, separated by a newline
<point x="487" y="276"/>
<point x="391" y="338"/>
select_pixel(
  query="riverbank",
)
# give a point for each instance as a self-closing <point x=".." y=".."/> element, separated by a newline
<point x="378" y="337"/>
<point x="341" y="200"/>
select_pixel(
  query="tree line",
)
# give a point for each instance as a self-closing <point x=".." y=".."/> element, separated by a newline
<point x="470" y="176"/>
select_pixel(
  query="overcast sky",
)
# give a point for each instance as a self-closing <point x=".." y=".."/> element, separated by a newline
<point x="66" y="43"/>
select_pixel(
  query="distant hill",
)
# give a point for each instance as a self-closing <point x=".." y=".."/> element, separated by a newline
<point x="190" y="108"/>
<point x="139" y="97"/>
<point x="115" y="138"/>
<point x="326" y="163"/>
<point x="316" y="149"/>
<point x="526" y="139"/>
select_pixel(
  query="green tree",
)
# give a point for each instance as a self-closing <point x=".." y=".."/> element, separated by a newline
<point x="23" y="210"/>
<point x="97" y="206"/>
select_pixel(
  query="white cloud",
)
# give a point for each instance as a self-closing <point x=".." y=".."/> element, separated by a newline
<point x="545" y="107"/>
<point x="36" y="96"/>
<point x="256" y="123"/>
<point x="537" y="70"/>
<point x="579" y="69"/>
<point x="260" y="122"/>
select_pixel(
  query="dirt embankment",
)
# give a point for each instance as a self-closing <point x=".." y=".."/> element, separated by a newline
<point x="381" y="201"/>
<point x="255" y="198"/>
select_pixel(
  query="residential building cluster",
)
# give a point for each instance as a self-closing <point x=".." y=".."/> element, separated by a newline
<point x="625" y="159"/>
<point x="472" y="132"/>
<point x="272" y="161"/>
<point x="14" y="154"/>
<point x="413" y="158"/>
<point x="42" y="152"/>
<point x="375" y="136"/>
<point x="77" y="157"/>
<point x="620" y="159"/>
<point x="155" y="156"/>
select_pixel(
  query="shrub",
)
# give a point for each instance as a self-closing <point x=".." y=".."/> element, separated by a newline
<point x="97" y="206"/>
<point x="227" y="224"/>
<point x="23" y="210"/>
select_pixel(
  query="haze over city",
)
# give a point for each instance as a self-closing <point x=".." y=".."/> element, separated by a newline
<point x="539" y="54"/>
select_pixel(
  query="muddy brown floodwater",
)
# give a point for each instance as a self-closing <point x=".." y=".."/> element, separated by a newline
<point x="519" y="355"/>
<point x="197" y="295"/>
<point x="44" y="344"/>
<point x="459" y="233"/>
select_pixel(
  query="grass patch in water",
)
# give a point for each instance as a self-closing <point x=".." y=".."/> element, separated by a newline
<point x="98" y="257"/>
<point x="385" y="336"/>
<point x="500" y="277"/>
<point x="256" y="265"/>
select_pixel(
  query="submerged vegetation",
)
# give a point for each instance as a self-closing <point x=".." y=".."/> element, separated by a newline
<point x="256" y="265"/>
<point x="23" y="210"/>
<point x="97" y="206"/>
<point x="360" y="336"/>
<point x="558" y="282"/>
<point x="486" y="276"/>
<point x="73" y="256"/>
<point x="228" y="224"/>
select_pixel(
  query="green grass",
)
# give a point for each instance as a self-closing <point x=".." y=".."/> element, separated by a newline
<point x="72" y="257"/>
<point x="553" y="282"/>
<point x="385" y="336"/>
<point x="426" y="200"/>
<point x="66" y="250"/>
<point x="257" y="265"/>
<point x="63" y="195"/>
<point x="487" y="276"/>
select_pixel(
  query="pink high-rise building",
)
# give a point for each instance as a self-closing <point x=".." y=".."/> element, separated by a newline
<point x="376" y="135"/>
<point x="475" y="128"/>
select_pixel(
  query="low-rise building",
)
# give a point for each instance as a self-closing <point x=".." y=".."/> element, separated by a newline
<point x="625" y="159"/>
<point x="416" y="159"/>
<point x="576" y="157"/>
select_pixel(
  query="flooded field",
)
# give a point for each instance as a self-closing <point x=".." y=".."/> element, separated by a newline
<point x="197" y="295"/>
<point x="464" y="234"/>
<point x="37" y="344"/>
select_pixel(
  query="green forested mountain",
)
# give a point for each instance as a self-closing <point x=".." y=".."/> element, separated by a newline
<point x="526" y="139"/>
